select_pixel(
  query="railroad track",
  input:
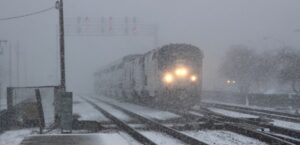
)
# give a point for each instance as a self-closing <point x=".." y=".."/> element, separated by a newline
<point x="250" y="128"/>
<point x="258" y="112"/>
<point x="242" y="127"/>
<point x="256" y="129"/>
<point x="151" y="124"/>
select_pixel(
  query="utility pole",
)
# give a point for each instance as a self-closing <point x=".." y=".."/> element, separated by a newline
<point x="59" y="6"/>
<point x="25" y="81"/>
<point x="10" y="64"/>
<point x="3" y="45"/>
<point x="18" y="63"/>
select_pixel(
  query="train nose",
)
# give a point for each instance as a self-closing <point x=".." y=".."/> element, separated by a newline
<point x="170" y="78"/>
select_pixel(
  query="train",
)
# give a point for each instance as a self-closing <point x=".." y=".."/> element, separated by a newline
<point x="167" y="76"/>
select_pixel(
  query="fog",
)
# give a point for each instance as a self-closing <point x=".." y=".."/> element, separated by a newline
<point x="212" y="25"/>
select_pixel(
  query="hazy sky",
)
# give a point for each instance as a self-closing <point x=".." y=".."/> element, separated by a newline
<point x="212" y="25"/>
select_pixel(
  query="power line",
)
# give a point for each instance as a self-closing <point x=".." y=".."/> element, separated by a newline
<point x="28" y="14"/>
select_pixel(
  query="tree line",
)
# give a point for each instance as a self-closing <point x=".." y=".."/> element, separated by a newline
<point x="256" y="72"/>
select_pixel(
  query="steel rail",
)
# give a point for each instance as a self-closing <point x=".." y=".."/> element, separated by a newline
<point x="159" y="127"/>
<point x="281" y="130"/>
<point x="228" y="125"/>
<point x="259" y="112"/>
<point x="231" y="123"/>
<point x="132" y="132"/>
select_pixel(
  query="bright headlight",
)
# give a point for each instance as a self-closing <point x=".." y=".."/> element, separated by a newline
<point x="193" y="78"/>
<point x="168" y="78"/>
<point x="181" y="72"/>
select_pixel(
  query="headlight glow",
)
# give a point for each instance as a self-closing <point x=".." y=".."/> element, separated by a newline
<point x="168" y="78"/>
<point x="193" y="78"/>
<point x="181" y="72"/>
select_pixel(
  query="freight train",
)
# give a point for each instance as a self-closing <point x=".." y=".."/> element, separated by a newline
<point x="169" y="76"/>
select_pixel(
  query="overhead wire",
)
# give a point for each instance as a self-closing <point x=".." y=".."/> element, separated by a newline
<point x="28" y="14"/>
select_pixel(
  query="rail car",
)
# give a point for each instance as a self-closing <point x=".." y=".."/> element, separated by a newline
<point x="169" y="76"/>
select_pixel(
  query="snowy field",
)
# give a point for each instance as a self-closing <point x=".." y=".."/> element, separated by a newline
<point x="144" y="111"/>
<point x="214" y="137"/>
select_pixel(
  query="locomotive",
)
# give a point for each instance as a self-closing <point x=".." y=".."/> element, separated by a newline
<point x="167" y="76"/>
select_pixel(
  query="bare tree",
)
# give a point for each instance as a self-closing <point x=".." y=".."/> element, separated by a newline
<point x="239" y="65"/>
<point x="289" y="67"/>
<point x="265" y="70"/>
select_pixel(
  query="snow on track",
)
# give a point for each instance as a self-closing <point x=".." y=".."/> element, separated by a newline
<point x="232" y="113"/>
<point x="86" y="111"/>
<point x="240" y="105"/>
<point x="117" y="113"/>
<point x="281" y="110"/>
<point x="129" y="139"/>
<point x="161" y="139"/>
<point x="285" y="124"/>
<point x="144" y="111"/>
<point x="14" y="137"/>
<point x="276" y="122"/>
<point x="220" y="137"/>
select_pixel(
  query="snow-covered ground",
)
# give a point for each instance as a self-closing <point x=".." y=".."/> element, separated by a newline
<point x="14" y="137"/>
<point x="144" y="111"/>
<point x="232" y="113"/>
<point x="161" y="139"/>
<point x="112" y="138"/>
<point x="86" y="111"/>
<point x="216" y="137"/>
<point x="286" y="124"/>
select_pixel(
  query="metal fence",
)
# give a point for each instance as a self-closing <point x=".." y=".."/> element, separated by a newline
<point x="22" y="105"/>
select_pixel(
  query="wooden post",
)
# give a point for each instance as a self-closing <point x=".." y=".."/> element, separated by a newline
<point x="9" y="98"/>
<point x="40" y="110"/>
<point x="10" y="110"/>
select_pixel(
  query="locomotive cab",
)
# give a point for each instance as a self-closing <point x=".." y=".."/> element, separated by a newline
<point x="181" y="75"/>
